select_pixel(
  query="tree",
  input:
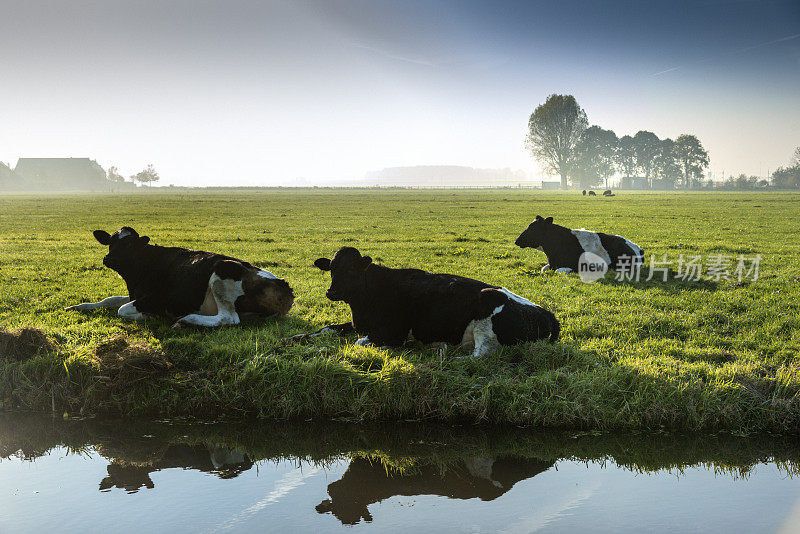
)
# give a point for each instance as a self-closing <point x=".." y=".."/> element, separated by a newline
<point x="787" y="177"/>
<point x="594" y="156"/>
<point x="692" y="158"/>
<point x="113" y="175"/>
<point x="646" y="146"/>
<point x="665" y="165"/>
<point x="554" y="129"/>
<point x="626" y="156"/>
<point x="148" y="175"/>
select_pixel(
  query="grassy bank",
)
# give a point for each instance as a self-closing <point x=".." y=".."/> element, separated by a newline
<point x="702" y="355"/>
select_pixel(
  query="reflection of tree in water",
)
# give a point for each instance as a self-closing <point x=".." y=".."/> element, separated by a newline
<point x="225" y="463"/>
<point x="476" y="477"/>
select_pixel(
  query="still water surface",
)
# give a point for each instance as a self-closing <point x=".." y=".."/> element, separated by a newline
<point x="140" y="476"/>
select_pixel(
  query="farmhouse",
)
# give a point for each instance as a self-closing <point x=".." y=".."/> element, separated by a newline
<point x="7" y="176"/>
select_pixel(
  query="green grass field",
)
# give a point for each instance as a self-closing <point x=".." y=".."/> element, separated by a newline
<point x="705" y="355"/>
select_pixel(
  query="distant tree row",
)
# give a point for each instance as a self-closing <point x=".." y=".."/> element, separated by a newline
<point x="788" y="177"/>
<point x="146" y="176"/>
<point x="560" y="138"/>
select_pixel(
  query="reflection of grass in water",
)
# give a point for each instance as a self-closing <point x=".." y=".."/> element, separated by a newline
<point x="401" y="449"/>
<point x="649" y="355"/>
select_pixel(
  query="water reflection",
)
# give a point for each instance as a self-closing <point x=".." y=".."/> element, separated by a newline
<point x="381" y="461"/>
<point x="225" y="463"/>
<point x="366" y="482"/>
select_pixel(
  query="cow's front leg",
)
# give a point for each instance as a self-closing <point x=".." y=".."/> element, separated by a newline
<point x="106" y="303"/>
<point x="225" y="292"/>
<point x="339" y="329"/>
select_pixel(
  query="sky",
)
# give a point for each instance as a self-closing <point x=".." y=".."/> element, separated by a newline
<point x="306" y="92"/>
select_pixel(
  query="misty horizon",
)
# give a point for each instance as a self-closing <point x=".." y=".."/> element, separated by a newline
<point x="309" y="93"/>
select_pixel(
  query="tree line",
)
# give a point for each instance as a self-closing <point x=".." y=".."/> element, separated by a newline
<point x="560" y="138"/>
<point x="145" y="176"/>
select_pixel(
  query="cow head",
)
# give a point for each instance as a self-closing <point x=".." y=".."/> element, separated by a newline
<point x="533" y="236"/>
<point x="123" y="246"/>
<point x="347" y="268"/>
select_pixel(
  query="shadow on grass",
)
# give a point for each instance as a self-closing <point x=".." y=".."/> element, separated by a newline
<point x="673" y="283"/>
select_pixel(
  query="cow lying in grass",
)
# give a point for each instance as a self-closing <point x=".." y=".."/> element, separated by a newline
<point x="391" y="305"/>
<point x="195" y="287"/>
<point x="564" y="247"/>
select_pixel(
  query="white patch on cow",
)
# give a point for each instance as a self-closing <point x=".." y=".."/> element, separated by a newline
<point x="221" y="457"/>
<point x="129" y="311"/>
<point x="364" y="341"/>
<point x="590" y="242"/>
<point x="637" y="250"/>
<point x="564" y="270"/>
<point x="108" y="302"/>
<point x="124" y="233"/>
<point x="480" y="333"/>
<point x="516" y="298"/>
<point x="266" y="274"/>
<point x="481" y="467"/>
<point x="545" y="268"/>
<point x="225" y="292"/>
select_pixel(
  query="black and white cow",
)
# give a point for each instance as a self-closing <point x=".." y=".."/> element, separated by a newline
<point x="195" y="287"/>
<point x="391" y="305"/>
<point x="564" y="247"/>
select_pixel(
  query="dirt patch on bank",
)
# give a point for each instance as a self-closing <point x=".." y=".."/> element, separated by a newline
<point x="24" y="343"/>
<point x="121" y="361"/>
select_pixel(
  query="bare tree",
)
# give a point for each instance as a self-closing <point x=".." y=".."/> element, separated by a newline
<point x="113" y="175"/>
<point x="554" y="129"/>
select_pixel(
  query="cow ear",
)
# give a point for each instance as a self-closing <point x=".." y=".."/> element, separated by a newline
<point x="549" y="220"/>
<point x="144" y="239"/>
<point x="538" y="218"/>
<point x="103" y="237"/>
<point x="323" y="263"/>
<point x="365" y="261"/>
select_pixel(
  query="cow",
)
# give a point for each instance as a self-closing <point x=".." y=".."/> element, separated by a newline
<point x="195" y="287"/>
<point x="584" y="192"/>
<point x="592" y="194"/>
<point x="390" y="306"/>
<point x="608" y="193"/>
<point x="564" y="247"/>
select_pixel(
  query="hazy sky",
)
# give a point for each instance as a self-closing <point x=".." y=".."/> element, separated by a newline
<point x="265" y="92"/>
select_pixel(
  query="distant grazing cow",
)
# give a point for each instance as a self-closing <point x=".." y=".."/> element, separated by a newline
<point x="192" y="286"/>
<point x="592" y="194"/>
<point x="608" y="193"/>
<point x="391" y="305"/>
<point x="564" y="247"/>
<point x="584" y="192"/>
